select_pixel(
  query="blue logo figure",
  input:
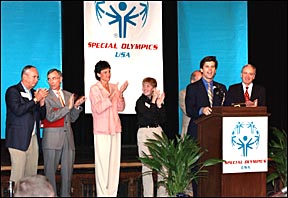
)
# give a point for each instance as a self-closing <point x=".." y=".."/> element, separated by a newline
<point x="245" y="136"/>
<point x="122" y="18"/>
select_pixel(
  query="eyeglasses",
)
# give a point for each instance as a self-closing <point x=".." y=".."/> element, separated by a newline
<point x="247" y="73"/>
<point x="33" y="76"/>
<point x="53" y="78"/>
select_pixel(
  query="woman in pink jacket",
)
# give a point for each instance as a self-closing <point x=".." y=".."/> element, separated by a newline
<point x="106" y="101"/>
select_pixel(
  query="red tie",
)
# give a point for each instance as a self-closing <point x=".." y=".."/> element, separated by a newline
<point x="246" y="95"/>
<point x="60" y="98"/>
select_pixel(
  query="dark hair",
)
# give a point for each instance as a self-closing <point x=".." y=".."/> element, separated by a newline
<point x="26" y="68"/>
<point x="208" y="59"/>
<point x="53" y="70"/>
<point x="150" y="80"/>
<point x="100" y="66"/>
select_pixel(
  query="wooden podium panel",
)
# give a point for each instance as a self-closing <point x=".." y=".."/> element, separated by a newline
<point x="217" y="184"/>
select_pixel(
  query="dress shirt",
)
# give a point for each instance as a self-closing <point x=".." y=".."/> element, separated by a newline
<point x="61" y="93"/>
<point x="30" y="98"/>
<point x="249" y="88"/>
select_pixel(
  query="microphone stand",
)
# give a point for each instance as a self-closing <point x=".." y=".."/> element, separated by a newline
<point x="219" y="92"/>
<point x="223" y="99"/>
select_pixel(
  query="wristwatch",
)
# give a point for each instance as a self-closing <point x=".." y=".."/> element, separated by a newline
<point x="35" y="100"/>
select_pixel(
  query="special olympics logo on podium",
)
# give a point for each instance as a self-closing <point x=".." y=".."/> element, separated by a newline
<point x="245" y="137"/>
<point x="123" y="14"/>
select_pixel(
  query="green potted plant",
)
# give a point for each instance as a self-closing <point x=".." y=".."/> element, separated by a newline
<point x="178" y="159"/>
<point x="277" y="153"/>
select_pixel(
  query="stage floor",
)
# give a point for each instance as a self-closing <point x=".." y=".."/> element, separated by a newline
<point x="84" y="155"/>
<point x="83" y="179"/>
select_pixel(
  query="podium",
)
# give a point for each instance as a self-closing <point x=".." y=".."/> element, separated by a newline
<point x="217" y="184"/>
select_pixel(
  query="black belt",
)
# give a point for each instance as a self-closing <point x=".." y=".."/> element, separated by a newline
<point x="149" y="126"/>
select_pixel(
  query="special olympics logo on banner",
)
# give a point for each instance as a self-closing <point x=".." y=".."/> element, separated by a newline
<point x="245" y="137"/>
<point x="122" y="14"/>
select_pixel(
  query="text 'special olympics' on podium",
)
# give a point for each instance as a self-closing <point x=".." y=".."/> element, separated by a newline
<point x="211" y="130"/>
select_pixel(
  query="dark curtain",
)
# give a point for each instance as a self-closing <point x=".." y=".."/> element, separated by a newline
<point x="267" y="50"/>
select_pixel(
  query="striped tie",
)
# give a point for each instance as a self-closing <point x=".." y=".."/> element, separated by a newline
<point x="210" y="94"/>
<point x="60" y="98"/>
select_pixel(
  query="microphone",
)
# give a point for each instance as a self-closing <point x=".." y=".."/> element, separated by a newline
<point x="219" y="92"/>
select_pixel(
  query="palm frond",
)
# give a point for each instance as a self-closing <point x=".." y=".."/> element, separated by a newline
<point x="277" y="152"/>
<point x="174" y="160"/>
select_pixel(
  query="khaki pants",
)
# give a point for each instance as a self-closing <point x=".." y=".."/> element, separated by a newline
<point x="148" y="185"/>
<point x="24" y="163"/>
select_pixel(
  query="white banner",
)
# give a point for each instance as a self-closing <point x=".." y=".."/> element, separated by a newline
<point x="245" y="144"/>
<point x="127" y="34"/>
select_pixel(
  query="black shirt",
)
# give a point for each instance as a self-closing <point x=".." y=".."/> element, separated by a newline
<point x="148" y="113"/>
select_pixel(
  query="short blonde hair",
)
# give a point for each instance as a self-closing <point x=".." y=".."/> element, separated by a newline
<point x="150" y="80"/>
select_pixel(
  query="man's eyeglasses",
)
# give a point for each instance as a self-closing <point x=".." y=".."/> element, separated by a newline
<point x="53" y="78"/>
<point x="33" y="76"/>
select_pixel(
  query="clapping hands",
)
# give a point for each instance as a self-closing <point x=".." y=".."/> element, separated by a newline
<point x="253" y="103"/>
<point x="121" y="90"/>
<point x="40" y="95"/>
<point x="160" y="100"/>
<point x="158" y="97"/>
<point x="124" y="87"/>
<point x="80" y="101"/>
<point x="155" y="95"/>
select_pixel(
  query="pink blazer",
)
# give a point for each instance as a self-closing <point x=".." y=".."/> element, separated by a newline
<point x="105" y="107"/>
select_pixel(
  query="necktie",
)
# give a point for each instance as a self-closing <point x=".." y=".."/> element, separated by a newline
<point x="246" y="95"/>
<point x="210" y="95"/>
<point x="60" y="98"/>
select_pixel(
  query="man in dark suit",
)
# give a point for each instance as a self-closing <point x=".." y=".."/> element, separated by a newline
<point x="256" y="94"/>
<point x="58" y="140"/>
<point x="201" y="96"/>
<point x="197" y="94"/>
<point x="25" y="108"/>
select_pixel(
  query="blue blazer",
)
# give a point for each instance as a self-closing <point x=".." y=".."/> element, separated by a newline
<point x="21" y="113"/>
<point x="236" y="94"/>
<point x="197" y="97"/>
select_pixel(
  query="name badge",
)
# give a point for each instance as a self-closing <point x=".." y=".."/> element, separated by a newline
<point x="25" y="95"/>
<point x="147" y="105"/>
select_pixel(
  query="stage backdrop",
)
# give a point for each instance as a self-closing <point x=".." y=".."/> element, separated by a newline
<point x="127" y="34"/>
<point x="217" y="28"/>
<point x="30" y="35"/>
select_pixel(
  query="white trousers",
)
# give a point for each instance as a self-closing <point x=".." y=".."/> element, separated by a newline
<point x="107" y="151"/>
<point x="147" y="179"/>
